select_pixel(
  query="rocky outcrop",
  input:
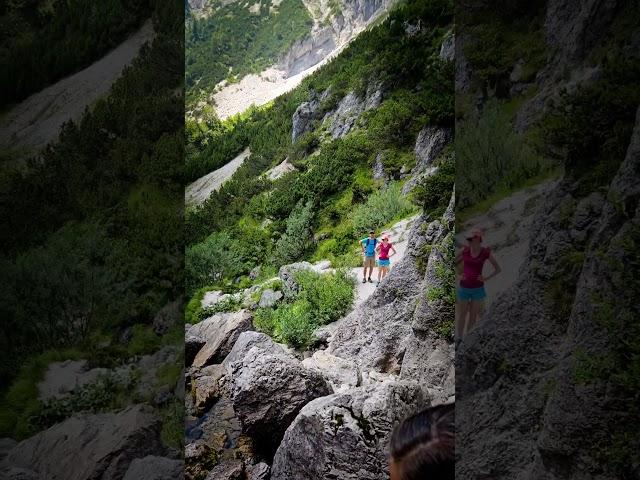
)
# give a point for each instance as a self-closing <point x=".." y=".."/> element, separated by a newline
<point x="155" y="468"/>
<point x="448" y="49"/>
<point x="376" y="334"/>
<point x="429" y="144"/>
<point x="61" y="378"/>
<point x="341" y="121"/>
<point x="550" y="420"/>
<point x="269" y="298"/>
<point x="346" y="435"/>
<point x="269" y="387"/>
<point x="109" y="443"/>
<point x="304" y="118"/>
<point x="285" y="167"/>
<point x="338" y="372"/>
<point x="220" y="333"/>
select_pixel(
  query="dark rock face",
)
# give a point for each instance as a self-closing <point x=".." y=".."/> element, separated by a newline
<point x="346" y="435"/>
<point x="524" y="419"/>
<point x="220" y="333"/>
<point x="268" y="391"/>
<point x="304" y="118"/>
<point x="429" y="144"/>
<point x="155" y="468"/>
<point x="109" y="442"/>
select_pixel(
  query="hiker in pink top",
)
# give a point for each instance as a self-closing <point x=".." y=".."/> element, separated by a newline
<point x="471" y="293"/>
<point x="384" y="262"/>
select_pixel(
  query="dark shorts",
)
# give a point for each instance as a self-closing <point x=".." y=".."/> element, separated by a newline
<point x="466" y="294"/>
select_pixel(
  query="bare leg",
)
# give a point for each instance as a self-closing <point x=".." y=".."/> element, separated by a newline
<point x="474" y="312"/>
<point x="462" y="308"/>
<point x="379" y="273"/>
<point x="384" y="271"/>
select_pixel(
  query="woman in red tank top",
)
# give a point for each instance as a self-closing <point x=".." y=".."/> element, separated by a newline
<point x="471" y="293"/>
<point x="385" y="250"/>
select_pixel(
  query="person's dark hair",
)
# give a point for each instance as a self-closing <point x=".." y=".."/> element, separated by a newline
<point x="423" y="445"/>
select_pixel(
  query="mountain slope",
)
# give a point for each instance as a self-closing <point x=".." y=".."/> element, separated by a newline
<point x="366" y="142"/>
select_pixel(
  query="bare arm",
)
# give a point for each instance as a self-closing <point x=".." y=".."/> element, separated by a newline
<point x="496" y="267"/>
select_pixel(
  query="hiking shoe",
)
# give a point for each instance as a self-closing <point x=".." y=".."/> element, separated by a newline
<point x="364" y="280"/>
<point x="370" y="281"/>
<point x="377" y="283"/>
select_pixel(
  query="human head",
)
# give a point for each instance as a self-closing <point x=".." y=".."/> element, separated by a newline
<point x="475" y="237"/>
<point x="372" y="233"/>
<point x="385" y="238"/>
<point x="423" y="446"/>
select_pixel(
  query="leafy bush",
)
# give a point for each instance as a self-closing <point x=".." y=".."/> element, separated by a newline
<point x="265" y="321"/>
<point x="143" y="340"/>
<point x="383" y="206"/>
<point x="295" y="242"/>
<point x="295" y="323"/>
<point x="207" y="262"/>
<point x="323" y="298"/>
<point x="105" y="394"/>
<point x="329" y="295"/>
<point x="230" y="304"/>
<point x="489" y="144"/>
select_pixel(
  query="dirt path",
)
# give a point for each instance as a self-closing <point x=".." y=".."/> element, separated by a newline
<point x="398" y="236"/>
<point x="506" y="229"/>
<point x="36" y="121"/>
<point x="198" y="191"/>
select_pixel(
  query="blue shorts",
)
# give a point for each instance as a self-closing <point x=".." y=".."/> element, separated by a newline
<point x="466" y="294"/>
<point x="384" y="263"/>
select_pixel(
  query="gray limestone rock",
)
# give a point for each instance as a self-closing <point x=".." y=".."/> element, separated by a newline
<point x="346" y="435"/>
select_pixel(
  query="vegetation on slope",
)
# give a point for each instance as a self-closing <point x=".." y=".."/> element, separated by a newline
<point x="93" y="239"/>
<point x="44" y="40"/>
<point x="334" y="179"/>
<point x="233" y="41"/>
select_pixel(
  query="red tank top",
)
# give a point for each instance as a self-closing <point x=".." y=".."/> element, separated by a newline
<point x="384" y="251"/>
<point x="473" y="267"/>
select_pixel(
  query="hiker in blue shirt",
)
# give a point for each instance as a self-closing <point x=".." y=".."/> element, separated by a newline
<point x="369" y="251"/>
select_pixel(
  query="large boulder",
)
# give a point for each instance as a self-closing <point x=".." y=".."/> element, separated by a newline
<point x="90" y="446"/>
<point x="220" y="332"/>
<point x="199" y="459"/>
<point x="429" y="360"/>
<point x="339" y="372"/>
<point x="269" y="387"/>
<point x="346" y="435"/>
<point x="269" y="298"/>
<point x="62" y="378"/>
<point x="155" y="468"/>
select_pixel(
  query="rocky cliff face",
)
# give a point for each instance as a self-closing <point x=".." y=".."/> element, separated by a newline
<point x="331" y="32"/>
<point x="536" y="389"/>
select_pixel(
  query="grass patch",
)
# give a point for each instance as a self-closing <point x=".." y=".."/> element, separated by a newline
<point x="323" y="298"/>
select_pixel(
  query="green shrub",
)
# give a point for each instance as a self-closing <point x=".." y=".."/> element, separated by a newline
<point x="172" y="432"/>
<point x="265" y="321"/>
<point x="383" y="206"/>
<point x="194" y="306"/>
<point x="489" y="144"/>
<point x="330" y="295"/>
<point x="216" y="257"/>
<point x="230" y="304"/>
<point x="295" y="323"/>
<point x="295" y="242"/>
<point x="433" y="192"/>
<point x="143" y="340"/>
<point x="323" y="298"/>
<point x="106" y="393"/>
